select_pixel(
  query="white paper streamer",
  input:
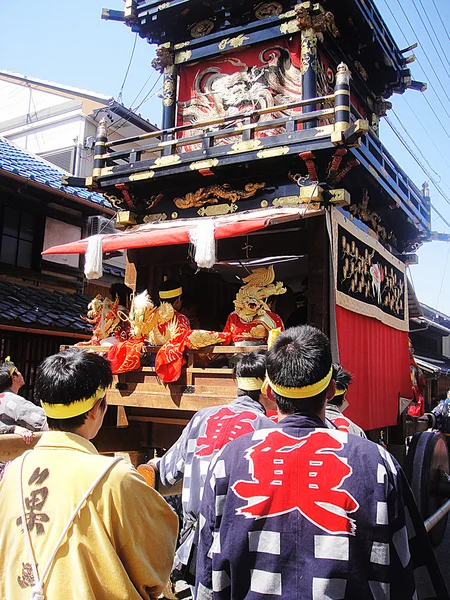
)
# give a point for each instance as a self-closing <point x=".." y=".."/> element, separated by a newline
<point x="202" y="236"/>
<point x="93" y="267"/>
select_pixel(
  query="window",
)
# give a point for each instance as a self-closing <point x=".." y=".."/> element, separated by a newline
<point x="17" y="238"/>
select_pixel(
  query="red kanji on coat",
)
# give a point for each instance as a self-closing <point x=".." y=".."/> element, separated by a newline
<point x="301" y="474"/>
<point x="342" y="423"/>
<point x="222" y="427"/>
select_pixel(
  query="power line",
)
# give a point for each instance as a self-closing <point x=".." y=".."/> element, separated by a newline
<point x="426" y="131"/>
<point x="443" y="277"/>
<point x="148" y="95"/>
<point x="429" y="36"/>
<point x="437" y="117"/>
<point x="119" y="97"/>
<point x="415" y="145"/>
<point x="429" y="62"/>
<point x="440" y="18"/>
<point x="418" y="62"/>
<point x="125" y="120"/>
<point x="424" y="169"/>
<point x="140" y="91"/>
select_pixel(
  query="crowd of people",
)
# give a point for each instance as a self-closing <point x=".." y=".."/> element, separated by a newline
<point x="300" y="507"/>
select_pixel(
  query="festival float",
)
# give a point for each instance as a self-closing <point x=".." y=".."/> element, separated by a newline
<point x="268" y="168"/>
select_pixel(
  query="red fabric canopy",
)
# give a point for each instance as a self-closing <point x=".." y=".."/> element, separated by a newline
<point x="167" y="233"/>
<point x="378" y="358"/>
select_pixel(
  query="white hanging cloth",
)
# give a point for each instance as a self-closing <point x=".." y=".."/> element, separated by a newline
<point x="93" y="261"/>
<point x="202" y="237"/>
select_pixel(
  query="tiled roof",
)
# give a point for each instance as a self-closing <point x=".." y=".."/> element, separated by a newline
<point x="113" y="270"/>
<point x="29" y="166"/>
<point x="39" y="308"/>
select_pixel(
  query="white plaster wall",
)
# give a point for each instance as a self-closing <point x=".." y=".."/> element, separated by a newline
<point x="57" y="232"/>
<point x="85" y="158"/>
<point x="47" y="138"/>
<point x="17" y="100"/>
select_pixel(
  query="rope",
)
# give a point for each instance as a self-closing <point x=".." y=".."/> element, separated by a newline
<point x="37" y="590"/>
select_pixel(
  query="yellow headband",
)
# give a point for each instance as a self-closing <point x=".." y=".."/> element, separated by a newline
<point x="12" y="369"/>
<point x="307" y="391"/>
<point x="340" y="392"/>
<point x="249" y="384"/>
<point x="67" y="411"/>
<point x="166" y="295"/>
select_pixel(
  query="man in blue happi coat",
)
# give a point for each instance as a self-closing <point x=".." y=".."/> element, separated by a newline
<point x="208" y="432"/>
<point x="302" y="512"/>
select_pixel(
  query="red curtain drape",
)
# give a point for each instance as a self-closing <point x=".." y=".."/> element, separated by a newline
<point x="378" y="358"/>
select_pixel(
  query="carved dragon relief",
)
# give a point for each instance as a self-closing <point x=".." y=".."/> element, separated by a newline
<point x="212" y="194"/>
<point x="164" y="58"/>
<point x="130" y="202"/>
<point x="320" y="22"/>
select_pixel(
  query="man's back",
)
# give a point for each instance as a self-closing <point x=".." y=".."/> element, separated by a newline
<point x="121" y="542"/>
<point x="207" y="433"/>
<point x="189" y="458"/>
<point x="15" y="410"/>
<point x="342" y="422"/>
<point x="305" y="512"/>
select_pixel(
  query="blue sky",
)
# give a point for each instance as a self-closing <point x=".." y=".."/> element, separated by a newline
<point x="67" y="42"/>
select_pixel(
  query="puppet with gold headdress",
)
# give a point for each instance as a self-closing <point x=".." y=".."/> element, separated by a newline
<point x="103" y="316"/>
<point x="147" y="324"/>
<point x="170" y="293"/>
<point x="252" y="319"/>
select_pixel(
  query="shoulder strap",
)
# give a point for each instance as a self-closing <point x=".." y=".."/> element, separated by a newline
<point x="37" y="590"/>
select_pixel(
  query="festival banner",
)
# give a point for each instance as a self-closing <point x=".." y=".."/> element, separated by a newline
<point x="369" y="280"/>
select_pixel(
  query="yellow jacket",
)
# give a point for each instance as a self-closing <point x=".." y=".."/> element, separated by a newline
<point x="121" y="544"/>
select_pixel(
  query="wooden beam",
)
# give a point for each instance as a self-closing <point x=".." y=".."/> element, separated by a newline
<point x="80" y="336"/>
<point x="108" y="440"/>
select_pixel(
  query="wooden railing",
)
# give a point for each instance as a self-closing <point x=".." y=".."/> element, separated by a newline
<point x="245" y="128"/>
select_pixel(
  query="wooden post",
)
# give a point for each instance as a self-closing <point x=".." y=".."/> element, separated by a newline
<point x="309" y="72"/>
<point x="169" y="94"/>
<point x="342" y="100"/>
<point x="100" y="148"/>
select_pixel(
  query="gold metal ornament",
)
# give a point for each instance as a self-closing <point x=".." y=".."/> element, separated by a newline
<point x="245" y="146"/>
<point x="235" y="42"/>
<point x="217" y="210"/>
<point x="212" y="193"/>
<point x="272" y="152"/>
<point x="183" y="56"/>
<point x="265" y="10"/>
<point x="202" y="28"/>
<point x="166" y="161"/>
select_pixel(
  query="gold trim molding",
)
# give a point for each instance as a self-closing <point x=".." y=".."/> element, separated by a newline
<point x="217" y="210"/>
<point x="272" y="152"/>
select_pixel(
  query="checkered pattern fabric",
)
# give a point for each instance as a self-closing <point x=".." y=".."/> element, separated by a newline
<point x="189" y="458"/>
<point x="342" y="422"/>
<point x="303" y="512"/>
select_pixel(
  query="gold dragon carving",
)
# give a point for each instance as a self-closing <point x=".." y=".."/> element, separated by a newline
<point x="212" y="194"/>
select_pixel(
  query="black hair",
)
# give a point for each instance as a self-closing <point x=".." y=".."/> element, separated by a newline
<point x="252" y="364"/>
<point x="122" y="291"/>
<point x="343" y="379"/>
<point x="70" y="376"/>
<point x="6" y="375"/>
<point x="166" y="286"/>
<point x="299" y="357"/>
